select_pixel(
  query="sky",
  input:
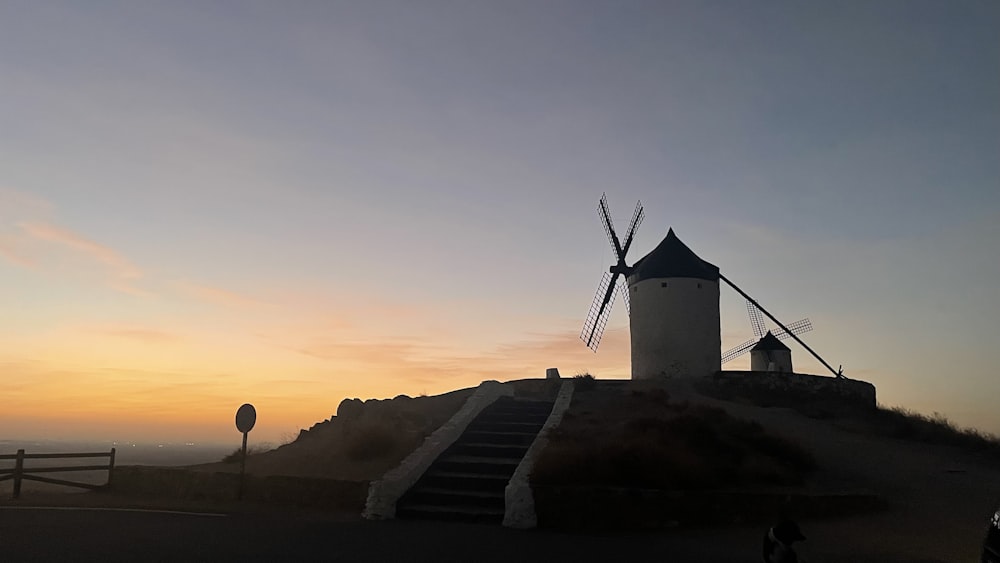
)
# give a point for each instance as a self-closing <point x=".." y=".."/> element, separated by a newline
<point x="204" y="204"/>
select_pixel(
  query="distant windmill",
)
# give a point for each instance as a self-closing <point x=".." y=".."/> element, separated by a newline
<point x="760" y="331"/>
<point x="597" y="318"/>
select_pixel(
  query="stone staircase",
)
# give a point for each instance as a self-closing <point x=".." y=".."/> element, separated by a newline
<point x="467" y="481"/>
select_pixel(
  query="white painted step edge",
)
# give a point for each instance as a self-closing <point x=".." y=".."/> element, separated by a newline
<point x="519" y="501"/>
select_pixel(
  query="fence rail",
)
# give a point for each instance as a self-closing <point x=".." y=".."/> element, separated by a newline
<point x="21" y="473"/>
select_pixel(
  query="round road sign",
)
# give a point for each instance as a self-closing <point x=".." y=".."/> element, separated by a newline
<point x="246" y="417"/>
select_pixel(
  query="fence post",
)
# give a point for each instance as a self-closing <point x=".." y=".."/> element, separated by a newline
<point x="111" y="468"/>
<point x="18" y="470"/>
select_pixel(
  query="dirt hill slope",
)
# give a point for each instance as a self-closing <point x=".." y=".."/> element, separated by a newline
<point x="363" y="441"/>
<point x="940" y="498"/>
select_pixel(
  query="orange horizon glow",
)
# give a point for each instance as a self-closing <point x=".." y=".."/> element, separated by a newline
<point x="290" y="389"/>
<point x="290" y="207"/>
<point x="163" y="359"/>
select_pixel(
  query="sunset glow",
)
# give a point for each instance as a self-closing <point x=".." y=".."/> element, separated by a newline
<point x="293" y="205"/>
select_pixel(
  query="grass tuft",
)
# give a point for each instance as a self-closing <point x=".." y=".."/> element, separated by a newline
<point x="584" y="381"/>
<point x="251" y="450"/>
<point x="905" y="424"/>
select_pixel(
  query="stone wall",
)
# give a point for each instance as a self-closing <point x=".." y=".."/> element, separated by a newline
<point x="782" y="388"/>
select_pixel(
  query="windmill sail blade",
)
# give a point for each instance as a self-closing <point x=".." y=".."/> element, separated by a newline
<point x="623" y="289"/>
<point x="600" y="310"/>
<point x="637" y="216"/>
<point x="609" y="226"/>
<point x="756" y="320"/>
<point x="739" y="350"/>
<point x="798" y="327"/>
<point x="590" y="325"/>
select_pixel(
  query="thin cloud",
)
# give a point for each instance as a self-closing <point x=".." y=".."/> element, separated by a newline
<point x="148" y="335"/>
<point x="28" y="236"/>
<point x="15" y="204"/>
<point x="363" y="352"/>
<point x="218" y="296"/>
<point x="98" y="252"/>
<point x="121" y="273"/>
<point x="14" y="207"/>
<point x="416" y="362"/>
<point x="9" y="251"/>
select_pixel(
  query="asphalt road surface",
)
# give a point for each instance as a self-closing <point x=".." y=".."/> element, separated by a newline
<point x="40" y="534"/>
<point x="28" y="534"/>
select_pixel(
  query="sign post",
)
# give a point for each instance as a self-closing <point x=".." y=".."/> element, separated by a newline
<point x="246" y="417"/>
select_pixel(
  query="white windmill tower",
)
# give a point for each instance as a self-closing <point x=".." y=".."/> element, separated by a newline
<point x="771" y="355"/>
<point x="672" y="297"/>
<point x="674" y="317"/>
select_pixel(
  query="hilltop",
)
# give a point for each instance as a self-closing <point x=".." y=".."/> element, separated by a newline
<point x="362" y="441"/>
<point x="935" y="499"/>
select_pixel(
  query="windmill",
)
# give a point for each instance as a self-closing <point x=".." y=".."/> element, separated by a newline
<point x="672" y="298"/>
<point x="600" y="310"/>
<point x="760" y="330"/>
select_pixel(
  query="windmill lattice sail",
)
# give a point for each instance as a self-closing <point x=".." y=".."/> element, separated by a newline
<point x="798" y="327"/>
<point x="623" y="289"/>
<point x="756" y="320"/>
<point x="600" y="310"/>
<point x="738" y="351"/>
<point x="637" y="216"/>
<point x="760" y="329"/>
<point x="609" y="225"/>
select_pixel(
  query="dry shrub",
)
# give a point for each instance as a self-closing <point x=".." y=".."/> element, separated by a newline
<point x="584" y="382"/>
<point x="895" y="422"/>
<point x="371" y="441"/>
<point x="904" y="424"/>
<point x="237" y="454"/>
<point x="667" y="446"/>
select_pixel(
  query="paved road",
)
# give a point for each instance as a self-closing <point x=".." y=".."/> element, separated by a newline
<point x="88" y="535"/>
<point x="28" y="534"/>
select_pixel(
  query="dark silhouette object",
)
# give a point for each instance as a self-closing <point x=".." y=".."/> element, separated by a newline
<point x="991" y="545"/>
<point x="246" y="417"/>
<point x="597" y="319"/>
<point x="21" y="473"/>
<point x="760" y="329"/>
<point x="791" y="332"/>
<point x="778" y="542"/>
<point x="671" y="258"/>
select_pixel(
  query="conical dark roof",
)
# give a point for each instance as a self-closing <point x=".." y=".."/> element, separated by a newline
<point x="672" y="259"/>
<point x="770" y="343"/>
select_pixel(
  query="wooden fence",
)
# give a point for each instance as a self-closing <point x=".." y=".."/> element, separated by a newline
<point x="19" y="472"/>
